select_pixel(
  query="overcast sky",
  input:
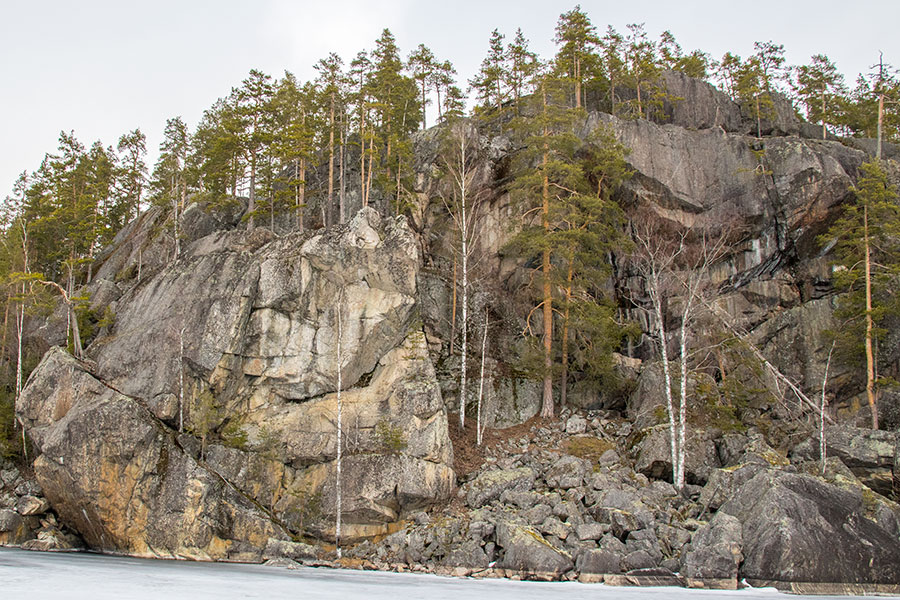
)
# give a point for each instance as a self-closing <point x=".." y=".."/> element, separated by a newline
<point x="104" y="67"/>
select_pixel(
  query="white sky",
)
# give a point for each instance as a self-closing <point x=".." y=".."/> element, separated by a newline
<point x="104" y="67"/>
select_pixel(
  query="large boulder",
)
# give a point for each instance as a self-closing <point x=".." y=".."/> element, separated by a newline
<point x="14" y="528"/>
<point x="715" y="550"/>
<point x="788" y="519"/>
<point x="490" y="485"/>
<point x="524" y="549"/>
<point x="654" y="455"/>
<point x="868" y="453"/>
<point x="118" y="476"/>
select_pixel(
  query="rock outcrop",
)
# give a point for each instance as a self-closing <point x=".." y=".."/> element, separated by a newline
<point x="788" y="520"/>
<point x="122" y="480"/>
<point x="239" y="344"/>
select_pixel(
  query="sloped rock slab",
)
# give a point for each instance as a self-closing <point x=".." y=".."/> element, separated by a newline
<point x="796" y="528"/>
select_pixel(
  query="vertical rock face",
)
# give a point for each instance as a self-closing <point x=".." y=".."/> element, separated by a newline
<point x="237" y="344"/>
<point x="701" y="166"/>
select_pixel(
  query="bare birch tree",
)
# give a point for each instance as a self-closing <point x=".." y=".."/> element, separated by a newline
<point x="463" y="202"/>
<point x="675" y="267"/>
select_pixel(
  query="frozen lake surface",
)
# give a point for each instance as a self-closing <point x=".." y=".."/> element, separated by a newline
<point x="39" y="575"/>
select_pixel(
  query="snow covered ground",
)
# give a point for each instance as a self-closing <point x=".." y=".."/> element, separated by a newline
<point x="39" y="575"/>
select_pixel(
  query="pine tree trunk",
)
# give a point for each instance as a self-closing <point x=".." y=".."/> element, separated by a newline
<point x="302" y="192"/>
<point x="369" y="171"/>
<point x="330" y="163"/>
<point x="870" y="326"/>
<point x="612" y="95"/>
<point x="424" y="125"/>
<point x="577" y="83"/>
<point x="342" y="192"/>
<point x="564" y="379"/>
<point x="251" y="208"/>
<point x="76" y="333"/>
<point x="640" y="104"/>
<point x="362" y="156"/>
<point x="880" y="125"/>
<point x="758" y="118"/>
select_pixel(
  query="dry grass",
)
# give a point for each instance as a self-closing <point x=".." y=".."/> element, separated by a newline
<point x="589" y="448"/>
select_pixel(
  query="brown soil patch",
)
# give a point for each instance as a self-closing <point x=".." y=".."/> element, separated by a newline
<point x="469" y="456"/>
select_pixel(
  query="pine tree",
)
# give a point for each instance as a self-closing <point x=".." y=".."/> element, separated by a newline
<point x="672" y="57"/>
<point x="217" y="153"/>
<point x="544" y="174"/>
<point x="588" y="228"/>
<point x="570" y="226"/>
<point x="293" y="146"/>
<point x="330" y="84"/>
<point x="169" y="181"/>
<point x="449" y="96"/>
<point x="727" y="72"/>
<point x="360" y="78"/>
<point x="576" y="57"/>
<point x="422" y="64"/>
<point x="641" y="69"/>
<point x="612" y="51"/>
<point x="397" y="113"/>
<point x="132" y="175"/>
<point x="770" y="57"/>
<point x="819" y="85"/>
<point x="866" y="240"/>
<point x="750" y="87"/>
<point x="488" y="83"/>
<point x="522" y="63"/>
<point x="253" y="108"/>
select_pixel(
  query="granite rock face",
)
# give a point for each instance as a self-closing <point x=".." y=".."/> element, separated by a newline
<point x="787" y="520"/>
<point x="238" y="344"/>
<point x="702" y="165"/>
<point x="869" y="454"/>
<point x="120" y="478"/>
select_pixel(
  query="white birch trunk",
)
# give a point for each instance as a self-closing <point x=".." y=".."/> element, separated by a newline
<point x="465" y="308"/>
<point x="678" y="480"/>
<point x="656" y="300"/>
<point x="822" y="444"/>
<point x="337" y="526"/>
<point x="479" y="428"/>
<point x="181" y="381"/>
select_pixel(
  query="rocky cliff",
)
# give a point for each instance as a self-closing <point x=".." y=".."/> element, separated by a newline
<point x="203" y="422"/>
